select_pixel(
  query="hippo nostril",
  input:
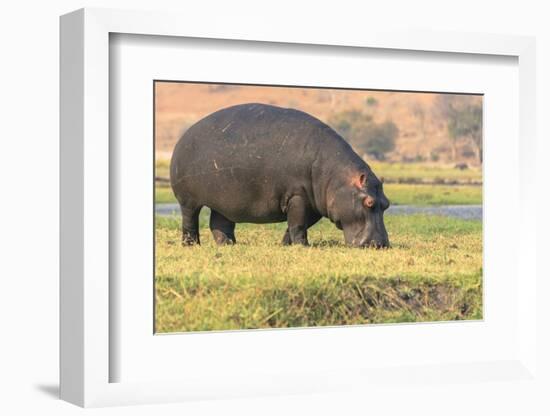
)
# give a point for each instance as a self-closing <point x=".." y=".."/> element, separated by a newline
<point x="369" y="201"/>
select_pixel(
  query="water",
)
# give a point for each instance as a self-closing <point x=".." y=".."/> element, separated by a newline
<point x="465" y="212"/>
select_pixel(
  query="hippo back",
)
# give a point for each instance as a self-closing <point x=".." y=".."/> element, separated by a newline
<point x="247" y="159"/>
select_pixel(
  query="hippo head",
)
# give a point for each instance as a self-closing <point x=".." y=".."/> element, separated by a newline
<point x="358" y="209"/>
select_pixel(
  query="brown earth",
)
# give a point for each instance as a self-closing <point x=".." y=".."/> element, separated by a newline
<point x="422" y="127"/>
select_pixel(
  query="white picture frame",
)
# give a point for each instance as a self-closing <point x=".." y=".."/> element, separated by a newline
<point x="85" y="354"/>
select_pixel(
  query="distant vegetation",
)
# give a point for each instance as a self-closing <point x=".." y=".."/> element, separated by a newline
<point x="371" y="101"/>
<point x="368" y="138"/>
<point x="464" y="123"/>
<point x="372" y="140"/>
<point x="407" y="127"/>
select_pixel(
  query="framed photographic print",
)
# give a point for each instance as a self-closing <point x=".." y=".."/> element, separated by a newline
<point x="270" y="214"/>
<point x="249" y="154"/>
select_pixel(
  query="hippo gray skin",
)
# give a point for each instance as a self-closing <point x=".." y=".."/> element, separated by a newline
<point x="260" y="164"/>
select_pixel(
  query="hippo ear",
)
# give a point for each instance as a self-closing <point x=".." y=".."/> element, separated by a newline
<point x="362" y="180"/>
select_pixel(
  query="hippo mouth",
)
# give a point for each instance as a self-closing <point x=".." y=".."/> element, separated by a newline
<point x="373" y="233"/>
<point x="375" y="243"/>
<point x="378" y="241"/>
<point x="376" y="235"/>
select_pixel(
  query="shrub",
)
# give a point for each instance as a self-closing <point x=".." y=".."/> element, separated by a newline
<point x="371" y="101"/>
<point x="464" y="122"/>
<point x="365" y="135"/>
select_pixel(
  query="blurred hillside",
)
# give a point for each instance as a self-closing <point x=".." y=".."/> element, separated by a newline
<point x="424" y="130"/>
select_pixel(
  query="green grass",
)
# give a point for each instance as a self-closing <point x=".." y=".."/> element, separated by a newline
<point x="162" y="168"/>
<point x="423" y="195"/>
<point x="432" y="272"/>
<point x="164" y="195"/>
<point x="399" y="194"/>
<point x="398" y="171"/>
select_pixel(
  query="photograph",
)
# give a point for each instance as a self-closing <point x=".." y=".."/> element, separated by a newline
<point x="282" y="206"/>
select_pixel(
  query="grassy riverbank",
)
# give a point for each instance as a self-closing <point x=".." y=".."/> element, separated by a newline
<point x="432" y="272"/>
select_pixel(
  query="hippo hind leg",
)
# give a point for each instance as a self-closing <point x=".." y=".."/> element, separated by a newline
<point x="190" y="225"/>
<point x="222" y="229"/>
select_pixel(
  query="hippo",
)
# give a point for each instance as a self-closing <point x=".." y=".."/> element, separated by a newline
<point x="258" y="163"/>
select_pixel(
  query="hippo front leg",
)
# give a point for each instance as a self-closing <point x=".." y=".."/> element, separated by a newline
<point x="286" y="238"/>
<point x="312" y="219"/>
<point x="297" y="218"/>
<point x="222" y="229"/>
